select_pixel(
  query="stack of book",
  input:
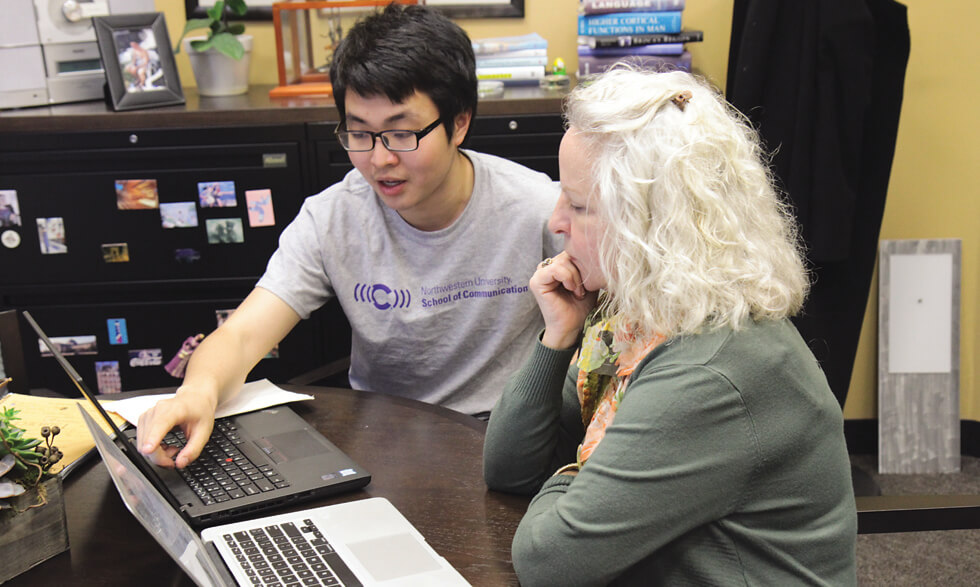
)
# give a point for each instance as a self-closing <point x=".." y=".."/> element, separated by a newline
<point x="512" y="60"/>
<point x="645" y="33"/>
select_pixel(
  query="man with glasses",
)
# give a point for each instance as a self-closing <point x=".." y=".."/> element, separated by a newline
<point x="428" y="247"/>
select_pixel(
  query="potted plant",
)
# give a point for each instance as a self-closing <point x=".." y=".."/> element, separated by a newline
<point x="220" y="60"/>
<point x="33" y="526"/>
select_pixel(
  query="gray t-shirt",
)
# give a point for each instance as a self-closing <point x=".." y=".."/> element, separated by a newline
<point x="444" y="316"/>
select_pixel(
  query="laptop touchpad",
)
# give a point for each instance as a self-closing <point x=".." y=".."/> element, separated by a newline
<point x="391" y="557"/>
<point x="290" y="446"/>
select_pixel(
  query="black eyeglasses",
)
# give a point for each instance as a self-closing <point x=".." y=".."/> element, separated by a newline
<point x="393" y="140"/>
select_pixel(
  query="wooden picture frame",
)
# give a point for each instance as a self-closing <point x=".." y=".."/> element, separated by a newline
<point x="262" y="9"/>
<point x="139" y="63"/>
<point x="479" y="8"/>
<point x="257" y="9"/>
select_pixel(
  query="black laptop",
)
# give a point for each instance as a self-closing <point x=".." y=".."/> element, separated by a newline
<point x="360" y="543"/>
<point x="253" y="462"/>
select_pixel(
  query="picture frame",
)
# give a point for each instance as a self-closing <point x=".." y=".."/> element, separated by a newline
<point x="139" y="63"/>
<point x="262" y="9"/>
<point x="257" y="9"/>
<point x="479" y="8"/>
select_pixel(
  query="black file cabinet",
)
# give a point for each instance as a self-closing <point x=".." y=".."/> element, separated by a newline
<point x="175" y="280"/>
<point x="529" y="139"/>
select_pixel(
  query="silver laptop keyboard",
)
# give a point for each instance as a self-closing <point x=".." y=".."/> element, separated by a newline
<point x="223" y="472"/>
<point x="289" y="555"/>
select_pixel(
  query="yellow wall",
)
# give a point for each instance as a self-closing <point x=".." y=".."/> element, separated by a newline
<point x="933" y="189"/>
<point x="553" y="19"/>
<point x="933" y="185"/>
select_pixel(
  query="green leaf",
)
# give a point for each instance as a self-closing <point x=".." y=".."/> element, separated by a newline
<point x="227" y="44"/>
<point x="32" y="443"/>
<point x="236" y="28"/>
<point x="192" y="25"/>
<point x="238" y="7"/>
<point x="196" y="23"/>
<point x="202" y="44"/>
<point x="216" y="11"/>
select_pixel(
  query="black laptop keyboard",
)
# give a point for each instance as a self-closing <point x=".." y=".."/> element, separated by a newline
<point x="223" y="472"/>
<point x="288" y="555"/>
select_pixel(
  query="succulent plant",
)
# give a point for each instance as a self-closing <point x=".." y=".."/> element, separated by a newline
<point x="24" y="462"/>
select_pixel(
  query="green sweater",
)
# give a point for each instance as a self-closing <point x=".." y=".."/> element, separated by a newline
<point x="725" y="465"/>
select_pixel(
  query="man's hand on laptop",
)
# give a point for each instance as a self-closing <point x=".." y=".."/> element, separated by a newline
<point x="192" y="411"/>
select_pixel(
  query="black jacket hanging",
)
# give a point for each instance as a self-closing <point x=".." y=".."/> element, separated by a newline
<point x="822" y="81"/>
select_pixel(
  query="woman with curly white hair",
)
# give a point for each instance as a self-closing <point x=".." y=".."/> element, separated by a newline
<point x="672" y="423"/>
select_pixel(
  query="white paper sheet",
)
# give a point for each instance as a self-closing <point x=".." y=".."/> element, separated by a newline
<point x="920" y="314"/>
<point x="255" y="395"/>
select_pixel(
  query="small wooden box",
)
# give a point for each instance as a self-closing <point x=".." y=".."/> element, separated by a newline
<point x="295" y="24"/>
<point x="35" y="535"/>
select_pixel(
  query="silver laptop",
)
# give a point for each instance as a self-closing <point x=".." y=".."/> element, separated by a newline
<point x="364" y="542"/>
<point x="252" y="462"/>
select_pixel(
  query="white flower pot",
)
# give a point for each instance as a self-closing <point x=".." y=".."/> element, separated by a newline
<point x="217" y="74"/>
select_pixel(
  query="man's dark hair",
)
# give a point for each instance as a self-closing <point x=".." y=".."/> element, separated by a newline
<point x="404" y="49"/>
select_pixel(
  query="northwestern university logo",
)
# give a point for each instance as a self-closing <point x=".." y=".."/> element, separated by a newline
<point x="382" y="296"/>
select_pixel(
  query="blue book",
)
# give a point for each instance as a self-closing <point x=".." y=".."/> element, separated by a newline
<point x="590" y="65"/>
<point x="629" y="23"/>
<point x="607" y="6"/>
<point x="658" y="49"/>
<point x="512" y="75"/>
<point x="637" y="40"/>
<point x="516" y="43"/>
<point x="510" y="61"/>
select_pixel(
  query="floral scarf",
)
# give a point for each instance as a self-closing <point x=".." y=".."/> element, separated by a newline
<point x="606" y="360"/>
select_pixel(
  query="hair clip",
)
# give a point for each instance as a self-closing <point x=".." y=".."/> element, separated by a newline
<point x="681" y="99"/>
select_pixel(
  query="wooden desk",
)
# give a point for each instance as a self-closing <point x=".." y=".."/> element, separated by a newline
<point x="426" y="460"/>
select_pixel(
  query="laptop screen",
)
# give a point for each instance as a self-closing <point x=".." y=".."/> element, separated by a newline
<point x="137" y="460"/>
<point x="154" y="512"/>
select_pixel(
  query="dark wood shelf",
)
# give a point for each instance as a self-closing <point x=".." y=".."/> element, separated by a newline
<point x="253" y="108"/>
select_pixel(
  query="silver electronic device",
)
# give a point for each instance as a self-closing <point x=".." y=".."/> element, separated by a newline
<point x="48" y="51"/>
<point x="22" y="78"/>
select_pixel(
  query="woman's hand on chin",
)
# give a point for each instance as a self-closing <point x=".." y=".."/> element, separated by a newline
<point x="564" y="302"/>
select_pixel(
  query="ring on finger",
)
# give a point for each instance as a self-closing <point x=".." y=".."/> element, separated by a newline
<point x="546" y="262"/>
